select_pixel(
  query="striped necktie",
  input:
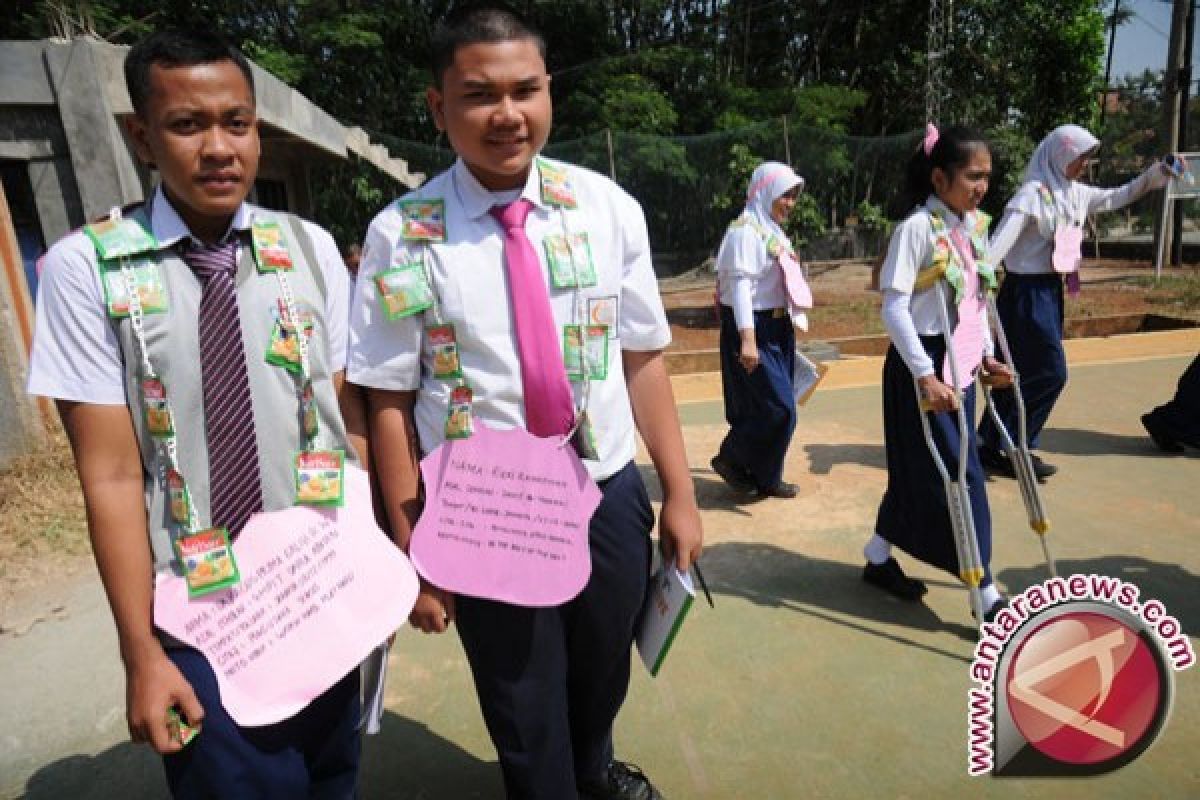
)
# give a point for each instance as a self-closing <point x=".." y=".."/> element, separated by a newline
<point x="235" y="489"/>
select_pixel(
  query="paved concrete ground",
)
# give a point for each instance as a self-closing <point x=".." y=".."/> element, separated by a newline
<point x="803" y="682"/>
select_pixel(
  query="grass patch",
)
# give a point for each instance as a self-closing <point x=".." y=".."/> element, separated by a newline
<point x="1179" y="291"/>
<point x="41" y="509"/>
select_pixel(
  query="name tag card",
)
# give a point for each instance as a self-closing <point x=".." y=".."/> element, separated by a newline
<point x="320" y="589"/>
<point x="506" y="518"/>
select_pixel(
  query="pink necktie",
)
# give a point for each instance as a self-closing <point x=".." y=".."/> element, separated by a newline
<point x="967" y="341"/>
<point x="549" y="409"/>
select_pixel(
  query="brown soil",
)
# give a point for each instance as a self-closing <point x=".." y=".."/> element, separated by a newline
<point x="845" y="306"/>
<point x="43" y="529"/>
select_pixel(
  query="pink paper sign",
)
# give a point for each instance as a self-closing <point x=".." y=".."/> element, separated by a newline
<point x="793" y="277"/>
<point x="1068" y="248"/>
<point x="320" y="589"/>
<point x="506" y="517"/>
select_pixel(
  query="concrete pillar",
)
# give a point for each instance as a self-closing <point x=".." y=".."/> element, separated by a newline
<point x="57" y="197"/>
<point x="105" y="169"/>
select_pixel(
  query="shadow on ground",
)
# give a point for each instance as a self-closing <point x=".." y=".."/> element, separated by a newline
<point x="1079" y="442"/>
<point x="773" y="577"/>
<point x="405" y="761"/>
<point x="1174" y="586"/>
<point x="712" y="493"/>
<point x="822" y="458"/>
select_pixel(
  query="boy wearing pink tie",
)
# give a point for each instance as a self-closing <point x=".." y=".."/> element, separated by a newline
<point x="505" y="249"/>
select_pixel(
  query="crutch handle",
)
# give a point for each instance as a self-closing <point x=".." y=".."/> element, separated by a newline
<point x="927" y="404"/>
<point x="995" y="381"/>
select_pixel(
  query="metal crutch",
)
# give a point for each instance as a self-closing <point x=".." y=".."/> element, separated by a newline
<point x="1018" y="453"/>
<point x="958" y="500"/>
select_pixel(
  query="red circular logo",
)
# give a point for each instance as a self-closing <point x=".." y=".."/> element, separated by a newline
<point x="1085" y="688"/>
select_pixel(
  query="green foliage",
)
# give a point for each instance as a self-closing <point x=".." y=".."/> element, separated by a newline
<point x="633" y="104"/>
<point x="872" y="218"/>
<point x="806" y="222"/>
<point x="663" y="75"/>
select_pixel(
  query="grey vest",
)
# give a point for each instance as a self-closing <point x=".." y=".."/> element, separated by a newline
<point x="173" y="346"/>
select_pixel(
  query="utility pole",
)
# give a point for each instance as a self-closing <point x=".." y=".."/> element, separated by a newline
<point x="1171" y="104"/>
<point x="1185" y="86"/>
<point x="1112" y="43"/>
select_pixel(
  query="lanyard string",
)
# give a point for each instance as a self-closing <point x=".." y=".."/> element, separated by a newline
<point x="166" y="451"/>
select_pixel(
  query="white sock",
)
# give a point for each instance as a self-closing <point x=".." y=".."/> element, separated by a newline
<point x="878" y="550"/>
<point x="990" y="595"/>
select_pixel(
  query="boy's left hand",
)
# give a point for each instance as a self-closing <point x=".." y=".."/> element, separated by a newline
<point x="680" y="532"/>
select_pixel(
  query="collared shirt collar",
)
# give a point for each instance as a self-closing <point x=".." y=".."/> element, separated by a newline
<point x="169" y="228"/>
<point x="933" y="203"/>
<point x="477" y="200"/>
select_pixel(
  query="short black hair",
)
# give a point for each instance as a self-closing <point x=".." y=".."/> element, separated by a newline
<point x="473" y="23"/>
<point x="177" y="48"/>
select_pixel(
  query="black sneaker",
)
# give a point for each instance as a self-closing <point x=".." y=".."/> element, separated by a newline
<point x="620" y="781"/>
<point x="782" y="489"/>
<point x="1161" y="436"/>
<point x="736" y="477"/>
<point x="996" y="462"/>
<point x="889" y="577"/>
<point x="1041" y="470"/>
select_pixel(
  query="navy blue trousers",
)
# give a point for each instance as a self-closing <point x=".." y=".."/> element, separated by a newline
<point x="913" y="514"/>
<point x="551" y="680"/>
<point x="759" y="406"/>
<point x="1031" y="311"/>
<point x="311" y="755"/>
<point x="1181" y="416"/>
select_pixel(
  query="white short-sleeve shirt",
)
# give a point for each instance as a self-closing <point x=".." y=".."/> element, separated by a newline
<point x="469" y="279"/>
<point x="76" y="355"/>
<point x="910" y="251"/>
<point x="743" y="254"/>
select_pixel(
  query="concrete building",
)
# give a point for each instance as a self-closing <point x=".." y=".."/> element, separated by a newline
<point x="65" y="159"/>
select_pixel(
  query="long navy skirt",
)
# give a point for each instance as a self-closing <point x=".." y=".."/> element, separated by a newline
<point x="913" y="514"/>
<point x="1031" y="311"/>
<point x="759" y="406"/>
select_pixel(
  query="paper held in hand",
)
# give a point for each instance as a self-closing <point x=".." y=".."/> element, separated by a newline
<point x="806" y="376"/>
<point x="668" y="599"/>
<point x="320" y="590"/>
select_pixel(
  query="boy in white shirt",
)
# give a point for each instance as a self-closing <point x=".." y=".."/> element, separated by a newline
<point x="550" y="680"/>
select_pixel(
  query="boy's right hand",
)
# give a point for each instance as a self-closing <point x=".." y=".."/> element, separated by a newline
<point x="434" y="610"/>
<point x="153" y="685"/>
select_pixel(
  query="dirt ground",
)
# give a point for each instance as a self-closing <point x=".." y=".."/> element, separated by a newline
<point x="846" y="306"/>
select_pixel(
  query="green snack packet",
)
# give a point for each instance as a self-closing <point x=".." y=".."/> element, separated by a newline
<point x="320" y="477"/>
<point x="208" y="563"/>
<point x="403" y="290"/>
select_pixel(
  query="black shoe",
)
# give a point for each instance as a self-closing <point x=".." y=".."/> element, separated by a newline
<point x="1041" y="470"/>
<point x="736" y="477"/>
<point x="989" y="616"/>
<point x="620" y="781"/>
<point x="782" y="489"/>
<point x="996" y="462"/>
<point x="1161" y="436"/>
<point x="889" y="577"/>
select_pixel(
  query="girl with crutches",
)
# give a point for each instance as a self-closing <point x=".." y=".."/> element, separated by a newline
<point x="933" y="281"/>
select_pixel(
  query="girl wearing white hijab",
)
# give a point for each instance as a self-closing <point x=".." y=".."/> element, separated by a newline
<point x="1040" y="241"/>
<point x="762" y="289"/>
